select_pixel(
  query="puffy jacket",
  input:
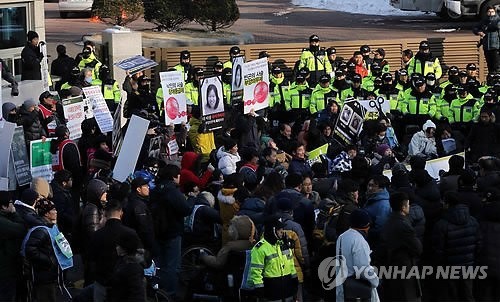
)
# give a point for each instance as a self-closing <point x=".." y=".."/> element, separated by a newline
<point x="227" y="161"/>
<point x="28" y="214"/>
<point x="421" y="145"/>
<point x="456" y="237"/>
<point x="204" y="221"/>
<point x="31" y="59"/>
<point x="169" y="207"/>
<point x="93" y="63"/>
<point x="253" y="207"/>
<point x="425" y="64"/>
<point x="138" y="217"/>
<point x="378" y="207"/>
<point x="320" y="98"/>
<point x="490" y="228"/>
<point x="40" y="253"/>
<point x="65" y="208"/>
<point x="297" y="229"/>
<point x="228" y="206"/>
<point x="12" y="231"/>
<point x="92" y="219"/>
<point x="299" y="166"/>
<point x="203" y="143"/>
<point x="188" y="171"/>
<point x="417" y="220"/>
<point x="33" y="128"/>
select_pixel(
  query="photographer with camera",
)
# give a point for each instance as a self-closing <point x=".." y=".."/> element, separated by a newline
<point x="488" y="31"/>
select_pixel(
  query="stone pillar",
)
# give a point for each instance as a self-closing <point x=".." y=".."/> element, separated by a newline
<point x="122" y="44"/>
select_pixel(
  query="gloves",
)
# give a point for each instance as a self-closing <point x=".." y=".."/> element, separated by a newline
<point x="210" y="167"/>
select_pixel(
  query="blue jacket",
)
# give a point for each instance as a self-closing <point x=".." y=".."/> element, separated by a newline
<point x="299" y="166"/>
<point x="379" y="209"/>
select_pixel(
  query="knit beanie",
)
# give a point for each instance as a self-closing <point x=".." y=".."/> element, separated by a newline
<point x="29" y="196"/>
<point x="95" y="189"/>
<point x="382" y="148"/>
<point x="7" y="107"/>
<point x="29" y="103"/>
<point x="44" y="206"/>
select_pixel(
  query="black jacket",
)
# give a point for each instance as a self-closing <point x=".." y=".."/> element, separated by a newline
<point x="31" y="58"/>
<point x="490" y="228"/>
<point x="456" y="237"/>
<point x="472" y="199"/>
<point x="127" y="281"/>
<point x="91" y="217"/>
<point x="32" y="125"/>
<point x="400" y="247"/>
<point x="40" y="254"/>
<point x="64" y="205"/>
<point x="29" y="216"/>
<point x="169" y="207"/>
<point x="343" y="222"/>
<point x="103" y="256"/>
<point x="62" y="67"/>
<point x="483" y="139"/>
<point x="138" y="217"/>
<point x="205" y="219"/>
<point x="12" y="231"/>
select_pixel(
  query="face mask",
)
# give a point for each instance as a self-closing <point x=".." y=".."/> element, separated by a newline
<point x="454" y="79"/>
<point x="431" y="83"/>
<point x="314" y="48"/>
<point x="227" y="79"/>
<point x="88" y="80"/>
<point x="381" y="137"/>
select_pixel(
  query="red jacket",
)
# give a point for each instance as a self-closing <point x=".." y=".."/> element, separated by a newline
<point x="188" y="162"/>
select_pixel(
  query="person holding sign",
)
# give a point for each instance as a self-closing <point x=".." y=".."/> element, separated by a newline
<point x="213" y="104"/>
<point x="31" y="58"/>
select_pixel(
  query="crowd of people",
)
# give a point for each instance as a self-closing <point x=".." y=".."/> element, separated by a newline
<point x="248" y="191"/>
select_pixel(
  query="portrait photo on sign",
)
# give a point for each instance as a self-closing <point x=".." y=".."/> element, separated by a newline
<point x="238" y="73"/>
<point x="356" y="122"/>
<point x="346" y="114"/>
<point x="211" y="96"/>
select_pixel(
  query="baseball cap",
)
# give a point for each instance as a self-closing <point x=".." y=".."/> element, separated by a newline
<point x="235" y="50"/>
<point x="471" y="66"/>
<point x="276" y="69"/>
<point x="218" y="64"/>
<point x="300" y="77"/>
<point x="138" y="182"/>
<point x="314" y="38"/>
<point x="356" y="78"/>
<point x="403" y="72"/>
<point x="462" y="73"/>
<point x="198" y="71"/>
<point x="424" y="45"/>
<point x="364" y="49"/>
<point x="453" y="70"/>
<point x="419" y="83"/>
<point x="325" y="78"/>
<point x="386" y="77"/>
<point x="331" y="50"/>
<point x="339" y="73"/>
<point x="381" y="51"/>
<point x="185" y="54"/>
<point x="304" y="71"/>
<point x="264" y="54"/>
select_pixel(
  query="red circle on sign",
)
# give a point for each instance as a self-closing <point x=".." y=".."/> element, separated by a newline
<point x="260" y="92"/>
<point x="172" y="108"/>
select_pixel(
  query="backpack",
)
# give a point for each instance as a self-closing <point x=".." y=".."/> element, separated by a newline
<point x="327" y="215"/>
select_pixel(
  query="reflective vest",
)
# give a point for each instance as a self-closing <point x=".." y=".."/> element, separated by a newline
<point x="278" y="90"/>
<point x="58" y="158"/>
<point x="271" y="263"/>
<point x="463" y="110"/>
<point x="299" y="97"/>
<point x="315" y="63"/>
<point x="320" y="98"/>
<point x="227" y="93"/>
<point x="358" y="94"/>
<point x="93" y="63"/>
<point x="369" y="83"/>
<point x="159" y="98"/>
<point x="228" y="64"/>
<point x="182" y="69"/>
<point x="434" y="66"/>
<point x="392" y="96"/>
<point x="191" y="93"/>
<point x="419" y="104"/>
<point x="111" y="91"/>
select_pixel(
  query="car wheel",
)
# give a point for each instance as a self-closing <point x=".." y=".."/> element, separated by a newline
<point x="63" y="15"/>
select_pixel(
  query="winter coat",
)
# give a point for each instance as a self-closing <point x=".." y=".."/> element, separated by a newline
<point x="400" y="247"/>
<point x="489" y="180"/>
<point x="378" y="207"/>
<point x="28" y="214"/>
<point x="483" y="139"/>
<point x="456" y="238"/>
<point x="348" y="206"/>
<point x="65" y="209"/>
<point x="253" y="207"/>
<point x="138" y="217"/>
<point x="325" y="187"/>
<point x="472" y="199"/>
<point x="490" y="228"/>
<point x="188" y="173"/>
<point x="417" y="220"/>
<point x="169" y="207"/>
<point x="92" y="219"/>
<point x="33" y="128"/>
<point x="421" y="145"/>
<point x="297" y="229"/>
<point x="250" y="178"/>
<point x="204" y="222"/>
<point x="127" y="281"/>
<point x="203" y="143"/>
<point x="448" y="183"/>
<point x="40" y="254"/>
<point x="31" y="59"/>
<point x="246" y="127"/>
<point x="489" y="26"/>
<point x="227" y="161"/>
<point x="299" y="166"/>
<point x="228" y="207"/>
<point x="103" y="256"/>
<point x="12" y="231"/>
<point x="284" y="143"/>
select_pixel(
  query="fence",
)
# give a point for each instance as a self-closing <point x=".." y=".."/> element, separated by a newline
<point x="457" y="51"/>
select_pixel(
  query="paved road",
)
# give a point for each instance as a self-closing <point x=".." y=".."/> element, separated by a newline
<point x="278" y="21"/>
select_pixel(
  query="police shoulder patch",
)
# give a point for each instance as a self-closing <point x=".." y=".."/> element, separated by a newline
<point x="259" y="244"/>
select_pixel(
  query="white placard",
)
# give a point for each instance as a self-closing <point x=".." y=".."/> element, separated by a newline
<point x="41" y="159"/>
<point x="256" y="85"/>
<point x="130" y="149"/>
<point x="6" y="135"/>
<point x="174" y="98"/>
<point x="75" y="115"/>
<point x="99" y="108"/>
<point x="44" y="67"/>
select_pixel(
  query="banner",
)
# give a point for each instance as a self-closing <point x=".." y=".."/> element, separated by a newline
<point x="237" y="80"/>
<point x="44" y="66"/>
<point x="314" y="156"/>
<point x="135" y="64"/>
<point x="131" y="147"/>
<point x="75" y="115"/>
<point x="256" y="85"/>
<point x="41" y="159"/>
<point x="375" y="108"/>
<point x="174" y="98"/>
<point x="19" y="156"/>
<point x="99" y="108"/>
<point x="350" y="123"/>
<point x="212" y="103"/>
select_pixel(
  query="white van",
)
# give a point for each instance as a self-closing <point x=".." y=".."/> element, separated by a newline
<point x="74" y="6"/>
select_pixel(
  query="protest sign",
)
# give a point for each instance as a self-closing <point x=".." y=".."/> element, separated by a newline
<point x="44" y="65"/>
<point x="19" y="156"/>
<point x="135" y="64"/>
<point x="375" y="108"/>
<point x="99" y="108"/>
<point x="130" y="149"/>
<point x="87" y="109"/>
<point x="6" y="136"/>
<point x="256" y="85"/>
<point x="75" y="115"/>
<point x="41" y="159"/>
<point x="350" y="123"/>
<point x="237" y="79"/>
<point x="314" y="156"/>
<point x="212" y="103"/>
<point x="174" y="98"/>
<point x="117" y="137"/>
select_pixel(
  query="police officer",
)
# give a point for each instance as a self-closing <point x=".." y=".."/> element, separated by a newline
<point x="184" y="65"/>
<point x="490" y="102"/>
<point x="227" y="77"/>
<point x="233" y="52"/>
<point x="331" y="52"/>
<point x="299" y="98"/>
<point x="418" y="104"/>
<point x="473" y="87"/>
<point x="424" y="62"/>
<point x="369" y="81"/>
<point x="341" y="85"/>
<point x="389" y="91"/>
<point x="279" y="88"/>
<point x="89" y="60"/>
<point x="315" y="59"/>
<point x="322" y="94"/>
<point x="463" y="109"/>
<point x="365" y="52"/>
<point x="110" y="88"/>
<point x="191" y="88"/>
<point x="402" y="80"/>
<point x="356" y="91"/>
<point x="453" y="78"/>
<point x="272" y="273"/>
<point x="218" y="67"/>
<point x="379" y="57"/>
<point x="448" y="94"/>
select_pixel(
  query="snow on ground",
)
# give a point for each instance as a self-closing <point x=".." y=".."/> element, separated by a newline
<point x="366" y="7"/>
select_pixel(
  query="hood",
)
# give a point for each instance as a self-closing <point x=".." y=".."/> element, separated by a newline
<point x="253" y="204"/>
<point x="95" y="189"/>
<point x="227" y="199"/>
<point x="458" y="215"/>
<point x="42" y="187"/>
<point x="241" y="228"/>
<point x="6" y="108"/>
<point x="188" y="160"/>
<point x="194" y="122"/>
<point x="375" y="197"/>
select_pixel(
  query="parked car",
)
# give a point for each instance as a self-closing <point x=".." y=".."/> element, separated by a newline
<point x="74" y="6"/>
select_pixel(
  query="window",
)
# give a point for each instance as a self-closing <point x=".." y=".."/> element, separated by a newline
<point x="13" y="26"/>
